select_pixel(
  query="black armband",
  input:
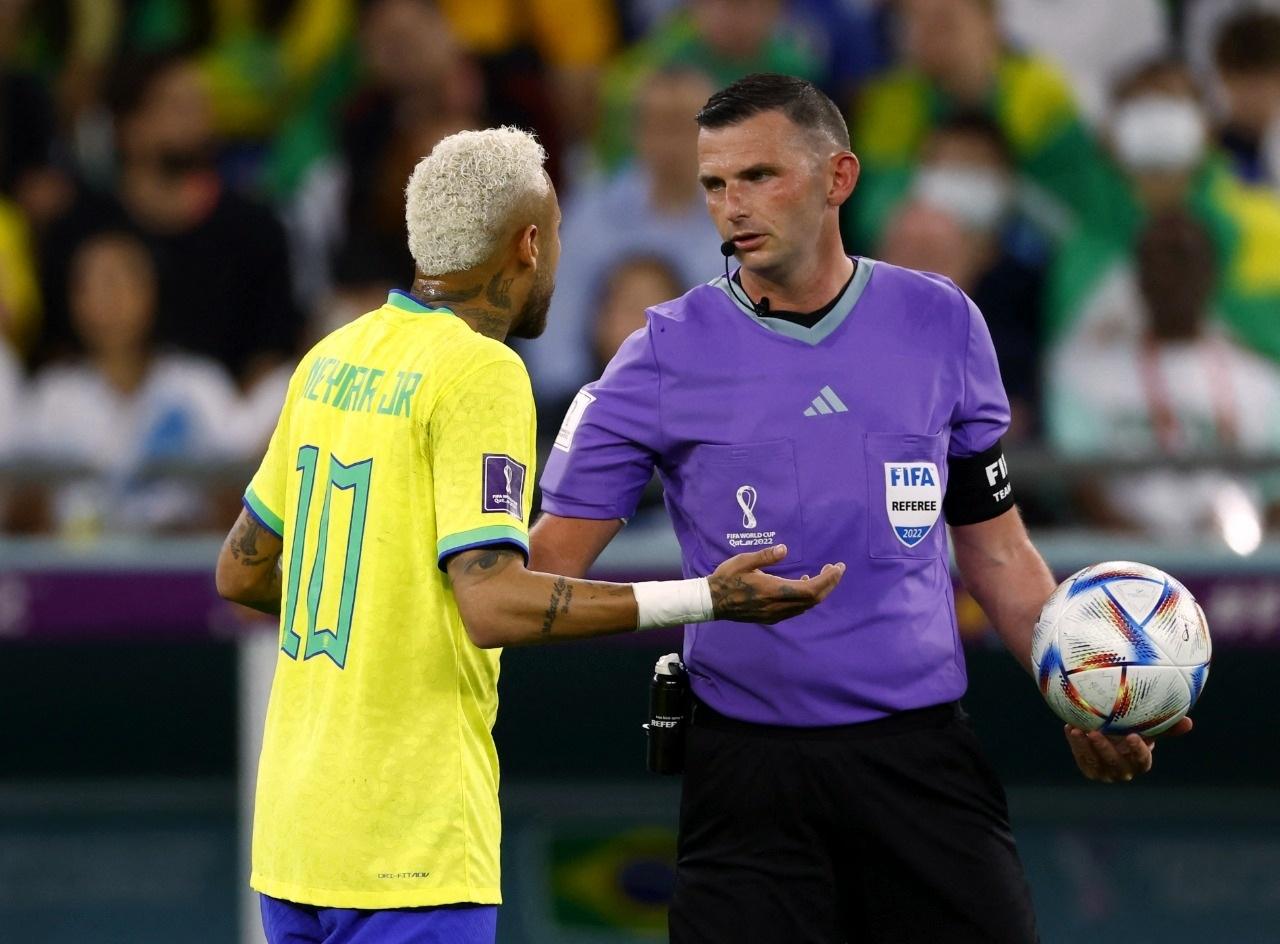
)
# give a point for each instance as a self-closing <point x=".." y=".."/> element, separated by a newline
<point x="978" y="487"/>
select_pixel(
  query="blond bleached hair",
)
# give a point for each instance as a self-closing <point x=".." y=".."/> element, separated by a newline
<point x="461" y="197"/>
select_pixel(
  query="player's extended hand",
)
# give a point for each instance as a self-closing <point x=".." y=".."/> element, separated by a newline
<point x="1111" y="758"/>
<point x="740" y="592"/>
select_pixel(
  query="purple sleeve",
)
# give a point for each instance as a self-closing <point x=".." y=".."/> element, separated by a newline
<point x="607" y="446"/>
<point x="982" y="413"/>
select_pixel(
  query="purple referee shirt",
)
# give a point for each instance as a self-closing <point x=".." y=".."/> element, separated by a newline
<point x="832" y="440"/>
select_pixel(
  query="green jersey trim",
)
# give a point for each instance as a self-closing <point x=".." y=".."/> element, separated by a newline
<point x="406" y="302"/>
<point x="481" y="537"/>
<point x="268" y="518"/>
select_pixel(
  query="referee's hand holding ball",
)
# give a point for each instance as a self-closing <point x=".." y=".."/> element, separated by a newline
<point x="742" y="592"/>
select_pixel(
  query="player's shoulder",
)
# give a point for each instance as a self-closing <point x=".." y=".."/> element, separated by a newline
<point x="913" y="285"/>
<point x="918" y="301"/>
<point x="475" y="351"/>
<point x="683" y="309"/>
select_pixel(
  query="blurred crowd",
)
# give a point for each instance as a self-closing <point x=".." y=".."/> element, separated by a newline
<point x="193" y="191"/>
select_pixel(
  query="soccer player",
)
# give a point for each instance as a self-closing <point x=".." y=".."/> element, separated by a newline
<point x="387" y="527"/>
<point x="833" y="790"/>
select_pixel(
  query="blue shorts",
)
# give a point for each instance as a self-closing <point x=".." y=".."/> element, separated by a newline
<point x="286" y="922"/>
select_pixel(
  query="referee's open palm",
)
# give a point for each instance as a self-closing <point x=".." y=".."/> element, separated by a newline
<point x="740" y="591"/>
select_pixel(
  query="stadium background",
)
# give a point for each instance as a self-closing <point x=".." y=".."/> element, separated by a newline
<point x="190" y="190"/>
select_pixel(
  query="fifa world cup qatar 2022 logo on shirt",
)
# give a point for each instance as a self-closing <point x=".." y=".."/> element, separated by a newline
<point x="750" y="535"/>
<point x="913" y="499"/>
<point x="503" y="485"/>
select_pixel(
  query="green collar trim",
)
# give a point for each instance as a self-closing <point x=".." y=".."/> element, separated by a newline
<point x="406" y="302"/>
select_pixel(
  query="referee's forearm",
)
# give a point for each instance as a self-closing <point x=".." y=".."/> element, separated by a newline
<point x="1012" y="599"/>
<point x="1008" y="578"/>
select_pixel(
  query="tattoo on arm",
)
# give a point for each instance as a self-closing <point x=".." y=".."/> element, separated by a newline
<point x="486" y="561"/>
<point x="244" y="544"/>
<point x="561" y="594"/>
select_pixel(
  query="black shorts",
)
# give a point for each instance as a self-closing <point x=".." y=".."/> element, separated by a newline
<point x="890" y="832"/>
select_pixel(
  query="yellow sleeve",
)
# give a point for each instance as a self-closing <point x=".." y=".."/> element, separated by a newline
<point x="481" y="446"/>
<point x="265" y="496"/>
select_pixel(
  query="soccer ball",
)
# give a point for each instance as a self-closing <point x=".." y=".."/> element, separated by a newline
<point x="1121" y="648"/>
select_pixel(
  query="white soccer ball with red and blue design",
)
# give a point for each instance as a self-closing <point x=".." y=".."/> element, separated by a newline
<point x="1121" y="648"/>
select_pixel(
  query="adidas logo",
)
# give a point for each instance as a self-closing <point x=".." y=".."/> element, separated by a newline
<point x="826" y="402"/>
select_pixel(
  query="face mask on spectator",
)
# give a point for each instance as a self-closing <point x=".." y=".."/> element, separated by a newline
<point x="1158" y="132"/>
<point x="977" y="197"/>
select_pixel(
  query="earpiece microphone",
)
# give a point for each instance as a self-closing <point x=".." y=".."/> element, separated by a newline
<point x="761" y="308"/>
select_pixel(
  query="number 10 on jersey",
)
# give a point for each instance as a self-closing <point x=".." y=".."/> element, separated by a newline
<point x="333" y="641"/>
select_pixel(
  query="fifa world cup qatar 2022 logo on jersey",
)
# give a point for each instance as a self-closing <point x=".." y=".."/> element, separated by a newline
<point x="751" y="535"/>
<point x="913" y="499"/>
<point x="503" y="485"/>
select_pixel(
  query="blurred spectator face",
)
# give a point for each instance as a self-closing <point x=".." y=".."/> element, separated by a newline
<point x="967" y="175"/>
<point x="11" y="14"/>
<point x="942" y="38"/>
<point x="406" y="44"/>
<point x="920" y="236"/>
<point x="1158" y="124"/>
<point x="1176" y="273"/>
<point x="667" y="135"/>
<point x="172" y="123"/>
<point x="1247" y="53"/>
<point x="736" y="29"/>
<point x="112" y="294"/>
<point x="633" y="286"/>
<point x="1253" y="98"/>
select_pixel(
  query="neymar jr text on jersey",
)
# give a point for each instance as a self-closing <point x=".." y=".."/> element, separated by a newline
<point x="354" y="387"/>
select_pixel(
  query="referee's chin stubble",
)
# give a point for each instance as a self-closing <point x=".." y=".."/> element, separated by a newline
<point x="533" y="314"/>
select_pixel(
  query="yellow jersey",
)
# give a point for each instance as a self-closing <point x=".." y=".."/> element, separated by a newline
<point x="405" y="437"/>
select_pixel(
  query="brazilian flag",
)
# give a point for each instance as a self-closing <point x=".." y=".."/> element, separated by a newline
<point x="614" y="879"/>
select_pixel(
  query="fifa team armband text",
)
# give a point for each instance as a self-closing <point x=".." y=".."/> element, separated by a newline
<point x="673" y="602"/>
<point x="978" y="487"/>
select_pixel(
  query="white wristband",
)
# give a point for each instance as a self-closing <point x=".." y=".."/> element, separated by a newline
<point x="673" y="602"/>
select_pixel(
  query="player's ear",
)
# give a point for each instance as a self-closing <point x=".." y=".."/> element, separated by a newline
<point x="527" y="246"/>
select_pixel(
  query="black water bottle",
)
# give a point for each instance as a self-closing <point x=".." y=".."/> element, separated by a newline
<point x="668" y="716"/>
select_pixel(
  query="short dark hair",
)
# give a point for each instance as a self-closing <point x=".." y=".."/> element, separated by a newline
<point x="799" y="99"/>
<point x="977" y="124"/>
<point x="1249" y="42"/>
<point x="134" y="78"/>
<point x="1151" y="70"/>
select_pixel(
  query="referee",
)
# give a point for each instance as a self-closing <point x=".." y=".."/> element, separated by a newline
<point x="833" y="789"/>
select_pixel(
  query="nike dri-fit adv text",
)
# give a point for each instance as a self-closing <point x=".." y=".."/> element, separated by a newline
<point x="832" y="439"/>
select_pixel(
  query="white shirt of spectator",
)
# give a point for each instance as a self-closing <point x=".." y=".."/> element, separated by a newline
<point x="1098" y="404"/>
<point x="10" y="398"/>
<point x="184" y="409"/>
<point x="259" y="410"/>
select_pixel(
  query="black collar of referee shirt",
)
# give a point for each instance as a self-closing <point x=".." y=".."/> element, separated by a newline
<point x="810" y="318"/>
